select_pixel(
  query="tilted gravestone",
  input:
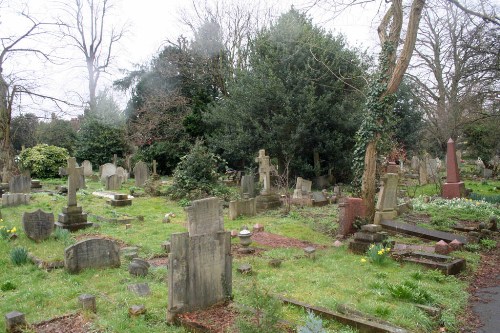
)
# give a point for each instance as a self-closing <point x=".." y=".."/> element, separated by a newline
<point x="87" y="168"/>
<point x="92" y="253"/>
<point x="113" y="182"/>
<point x="200" y="261"/>
<point x="38" y="225"/>
<point x="141" y="173"/>
<point x="20" y="184"/>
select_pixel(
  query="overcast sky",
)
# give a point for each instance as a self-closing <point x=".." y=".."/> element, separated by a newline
<point x="151" y="23"/>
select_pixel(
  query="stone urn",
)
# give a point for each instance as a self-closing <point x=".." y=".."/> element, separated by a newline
<point x="245" y="237"/>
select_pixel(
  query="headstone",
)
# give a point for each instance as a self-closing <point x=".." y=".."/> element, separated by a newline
<point x="319" y="199"/>
<point x="81" y="183"/>
<point x="423" y="177"/>
<point x="387" y="202"/>
<point x="92" y="253"/>
<point x="136" y="310"/>
<point x="15" y="199"/>
<point x="87" y="168"/>
<point x="349" y="210"/>
<point x="20" y="184"/>
<point x="244" y="207"/>
<point x="247" y="185"/>
<point x="87" y="302"/>
<point x="487" y="173"/>
<point x="200" y="261"/>
<point x="38" y="225"/>
<point x="302" y="189"/>
<point x="138" y="267"/>
<point x="141" y="173"/>
<point x="453" y="188"/>
<point x="122" y="174"/>
<point x="72" y="216"/>
<point x="113" y="182"/>
<point x="432" y="169"/>
<point x="127" y="162"/>
<point x="107" y="170"/>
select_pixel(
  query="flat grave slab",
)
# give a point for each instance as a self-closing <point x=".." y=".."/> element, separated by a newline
<point x="447" y="265"/>
<point x="413" y="230"/>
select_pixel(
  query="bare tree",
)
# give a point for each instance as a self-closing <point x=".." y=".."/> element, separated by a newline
<point x="91" y="33"/>
<point x="19" y="44"/>
<point x="456" y="68"/>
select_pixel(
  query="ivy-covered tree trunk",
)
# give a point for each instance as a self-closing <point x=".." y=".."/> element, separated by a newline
<point x="380" y="102"/>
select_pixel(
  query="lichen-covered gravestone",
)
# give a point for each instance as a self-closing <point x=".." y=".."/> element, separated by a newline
<point x="20" y="184"/>
<point x="200" y="262"/>
<point x="38" y="225"/>
<point x="107" y="170"/>
<point x="92" y="253"/>
<point x="87" y="168"/>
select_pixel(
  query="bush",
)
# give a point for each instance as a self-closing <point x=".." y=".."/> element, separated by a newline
<point x="43" y="161"/>
<point x="19" y="256"/>
<point x="196" y="174"/>
<point x="313" y="324"/>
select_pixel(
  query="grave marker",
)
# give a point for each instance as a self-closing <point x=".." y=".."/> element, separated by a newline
<point x="87" y="168"/>
<point x="20" y="184"/>
<point x="200" y="262"/>
<point x="141" y="173"/>
<point x="387" y="198"/>
<point x="92" y="253"/>
<point x="38" y="225"/>
<point x="453" y="188"/>
<point x="107" y="170"/>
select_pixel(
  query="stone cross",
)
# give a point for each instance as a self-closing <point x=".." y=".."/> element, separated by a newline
<point x="265" y="169"/>
<point x="74" y="175"/>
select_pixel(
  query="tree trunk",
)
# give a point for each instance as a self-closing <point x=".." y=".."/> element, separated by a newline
<point x="368" y="185"/>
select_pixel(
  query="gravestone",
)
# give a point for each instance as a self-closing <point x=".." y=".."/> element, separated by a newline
<point x="319" y="199"/>
<point x="38" y="225"/>
<point x="72" y="217"/>
<point x="20" y="184"/>
<point x="415" y="163"/>
<point x="432" y="169"/>
<point x="349" y="210"/>
<point x="107" y="170"/>
<point x="200" y="261"/>
<point x="15" y="199"/>
<point x="302" y="188"/>
<point x="453" y="188"/>
<point x="247" y="185"/>
<point x="243" y="207"/>
<point x="141" y="173"/>
<point x="87" y="168"/>
<point x="387" y="202"/>
<point x="92" y="253"/>
<point x="122" y="173"/>
<point x="266" y="200"/>
<point x="81" y="183"/>
<point x="113" y="182"/>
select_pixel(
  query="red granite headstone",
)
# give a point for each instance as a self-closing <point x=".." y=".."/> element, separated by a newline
<point x="453" y="188"/>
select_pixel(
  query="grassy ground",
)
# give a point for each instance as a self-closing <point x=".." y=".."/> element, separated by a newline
<point x="336" y="277"/>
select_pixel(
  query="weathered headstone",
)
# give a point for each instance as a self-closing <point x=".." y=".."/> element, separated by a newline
<point x="113" y="182"/>
<point x="141" y="173"/>
<point x="200" y="262"/>
<point x="319" y="199"/>
<point x="15" y="199"/>
<point x="432" y="169"/>
<point x="107" y="170"/>
<point x="122" y="173"/>
<point x="87" y="168"/>
<point x="415" y="163"/>
<point x="387" y="202"/>
<point x="247" y="185"/>
<point x="20" y="184"/>
<point x="92" y="253"/>
<point x="453" y="188"/>
<point x="87" y="302"/>
<point x="423" y="177"/>
<point x="302" y="188"/>
<point x="72" y="217"/>
<point x="245" y="207"/>
<point x="138" y="267"/>
<point x="15" y="322"/>
<point x="81" y="183"/>
<point x="140" y="289"/>
<point x="38" y="225"/>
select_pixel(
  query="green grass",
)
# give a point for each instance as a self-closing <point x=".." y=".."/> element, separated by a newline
<point x="335" y="277"/>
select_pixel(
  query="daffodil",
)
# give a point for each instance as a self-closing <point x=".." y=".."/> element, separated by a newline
<point x="363" y="260"/>
<point x="13" y="230"/>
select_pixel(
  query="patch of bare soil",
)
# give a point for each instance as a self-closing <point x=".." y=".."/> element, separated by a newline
<point x="275" y="241"/>
<point x="219" y="318"/>
<point x="158" y="261"/>
<point x="74" y="323"/>
<point x="487" y="275"/>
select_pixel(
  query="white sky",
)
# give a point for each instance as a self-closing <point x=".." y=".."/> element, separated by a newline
<point x="151" y="23"/>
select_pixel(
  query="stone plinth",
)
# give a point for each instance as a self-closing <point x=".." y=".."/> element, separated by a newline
<point x="72" y="218"/>
<point x="87" y="302"/>
<point x="265" y="202"/>
<point x="369" y="234"/>
<point x="15" y="322"/>
<point x="453" y="190"/>
<point x="242" y="207"/>
<point x="121" y="200"/>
